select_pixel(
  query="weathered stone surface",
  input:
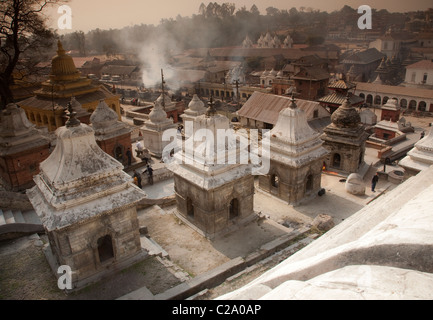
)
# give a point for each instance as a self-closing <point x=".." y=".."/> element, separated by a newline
<point x="212" y="194"/>
<point x="296" y="158"/>
<point x="323" y="222"/>
<point x="420" y="157"/>
<point x="86" y="203"/>
<point x="345" y="140"/>
<point x="381" y="252"/>
<point x="355" y="184"/>
<point x="22" y="148"/>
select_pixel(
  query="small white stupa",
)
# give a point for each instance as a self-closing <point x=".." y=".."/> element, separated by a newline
<point x="87" y="205"/>
<point x="296" y="157"/>
<point x="153" y="129"/>
<point x="214" y="190"/>
<point x="420" y="157"/>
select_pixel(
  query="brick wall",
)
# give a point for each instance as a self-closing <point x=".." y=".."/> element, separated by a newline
<point x="17" y="170"/>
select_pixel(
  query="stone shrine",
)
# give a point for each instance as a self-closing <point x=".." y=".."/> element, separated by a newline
<point x="154" y="128"/>
<point x="213" y="195"/>
<point x="22" y="148"/>
<point x="195" y="108"/>
<point x="345" y="140"/>
<point x="296" y="157"/>
<point x="112" y="136"/>
<point x="87" y="205"/>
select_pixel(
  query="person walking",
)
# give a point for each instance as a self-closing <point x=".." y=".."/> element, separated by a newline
<point x="138" y="177"/>
<point x="374" y="181"/>
<point x="149" y="171"/>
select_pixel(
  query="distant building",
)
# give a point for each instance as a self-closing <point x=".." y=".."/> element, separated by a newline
<point x="413" y="99"/>
<point x="420" y="74"/>
<point x="339" y="90"/>
<point x="311" y="83"/>
<point x="362" y="63"/>
<point x="261" y="111"/>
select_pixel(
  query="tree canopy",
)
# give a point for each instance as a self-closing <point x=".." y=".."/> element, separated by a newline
<point x="24" y="38"/>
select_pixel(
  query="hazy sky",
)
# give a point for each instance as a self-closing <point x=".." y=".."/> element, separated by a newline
<point x="106" y="14"/>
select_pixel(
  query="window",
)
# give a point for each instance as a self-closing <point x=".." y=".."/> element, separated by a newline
<point x="424" y="78"/>
<point x="316" y="114"/>
<point x="105" y="248"/>
<point x="412" y="79"/>
<point x="275" y="181"/>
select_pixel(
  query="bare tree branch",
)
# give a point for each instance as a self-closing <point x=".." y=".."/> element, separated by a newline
<point x="22" y="29"/>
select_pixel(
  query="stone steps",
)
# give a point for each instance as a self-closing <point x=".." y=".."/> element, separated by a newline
<point x="2" y="218"/>
<point x="9" y="217"/>
<point x="17" y="216"/>
<point x="31" y="217"/>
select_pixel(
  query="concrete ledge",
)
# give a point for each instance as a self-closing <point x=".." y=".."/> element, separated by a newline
<point x="15" y="201"/>
<point x="203" y="281"/>
<point x="219" y="274"/>
<point x="16" y="230"/>
<point x="161" y="202"/>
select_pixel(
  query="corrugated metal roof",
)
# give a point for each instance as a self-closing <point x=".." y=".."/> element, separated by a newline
<point x="338" y="99"/>
<point x="266" y="107"/>
<point x="118" y="70"/>
<point x="364" y="57"/>
<point x="341" y="84"/>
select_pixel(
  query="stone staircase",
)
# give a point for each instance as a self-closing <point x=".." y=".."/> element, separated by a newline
<point x="16" y="223"/>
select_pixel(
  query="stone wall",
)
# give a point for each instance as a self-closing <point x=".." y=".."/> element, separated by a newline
<point x="292" y="184"/>
<point x="211" y="207"/>
<point x="17" y="170"/>
<point x="77" y="246"/>
<point x="110" y="145"/>
<point x="350" y="156"/>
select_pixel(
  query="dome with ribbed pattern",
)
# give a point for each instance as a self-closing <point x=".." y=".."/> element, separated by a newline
<point x="62" y="66"/>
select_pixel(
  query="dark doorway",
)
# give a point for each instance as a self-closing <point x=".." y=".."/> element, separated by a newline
<point x="105" y="248"/>
<point x="309" y="183"/>
<point x="336" y="161"/>
<point x="118" y="153"/>
<point x="189" y="208"/>
<point x="234" y="208"/>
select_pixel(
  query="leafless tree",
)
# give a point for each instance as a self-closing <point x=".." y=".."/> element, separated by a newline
<point x="24" y="36"/>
